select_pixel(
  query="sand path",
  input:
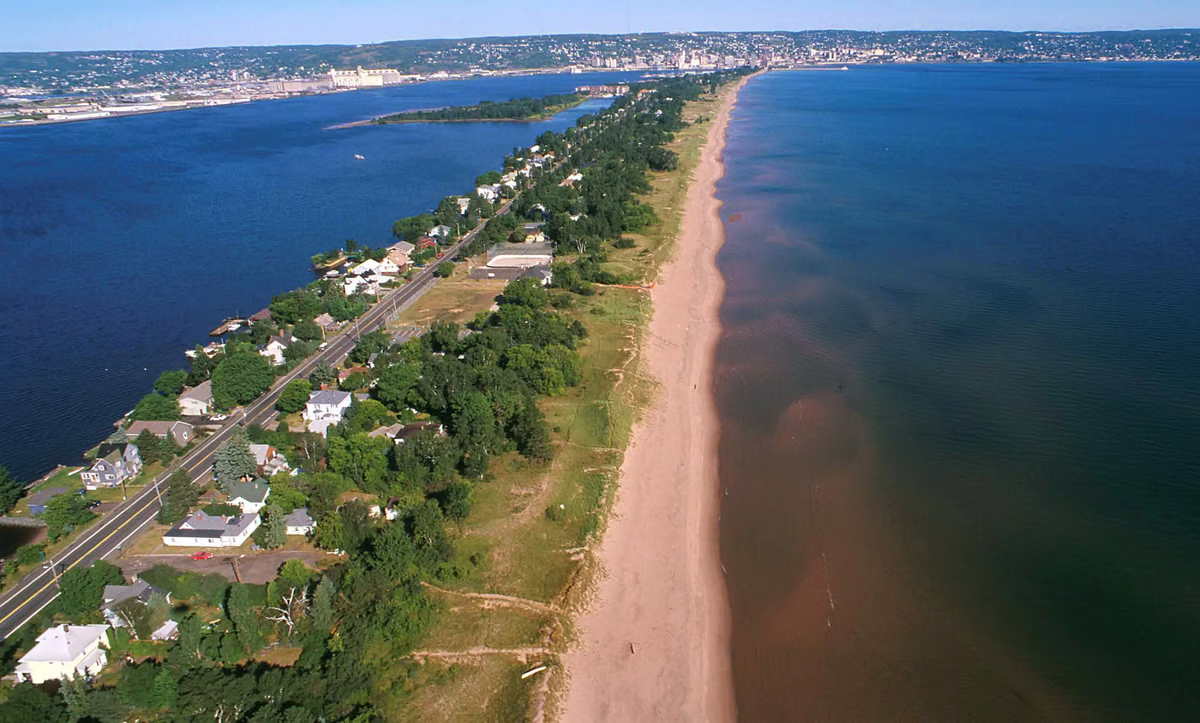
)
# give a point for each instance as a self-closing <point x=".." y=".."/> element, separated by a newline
<point x="654" y="646"/>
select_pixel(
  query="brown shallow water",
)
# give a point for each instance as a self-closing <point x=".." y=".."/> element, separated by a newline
<point x="957" y="392"/>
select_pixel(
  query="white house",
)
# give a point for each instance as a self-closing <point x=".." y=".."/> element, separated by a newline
<point x="326" y="408"/>
<point x="270" y="462"/>
<point x="488" y="193"/>
<point x="197" y="401"/>
<point x="275" y="347"/>
<point x="250" y="496"/>
<point x="205" y="530"/>
<point x="463" y="204"/>
<point x="440" y="231"/>
<point x="63" y="652"/>
<point x="299" y="522"/>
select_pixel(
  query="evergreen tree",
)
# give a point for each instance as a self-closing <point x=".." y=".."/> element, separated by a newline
<point x="182" y="494"/>
<point x="233" y="461"/>
<point x="322" y="607"/>
<point x="276" y="528"/>
<point x="165" y="689"/>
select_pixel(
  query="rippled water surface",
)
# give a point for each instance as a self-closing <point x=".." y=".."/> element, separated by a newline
<point x="126" y="240"/>
<point x="960" y="393"/>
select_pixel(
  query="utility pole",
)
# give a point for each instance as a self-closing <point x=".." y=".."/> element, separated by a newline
<point x="54" y="570"/>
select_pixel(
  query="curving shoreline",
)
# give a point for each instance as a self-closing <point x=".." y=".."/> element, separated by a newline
<point x="655" y="643"/>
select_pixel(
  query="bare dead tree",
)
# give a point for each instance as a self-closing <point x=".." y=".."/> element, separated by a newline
<point x="294" y="606"/>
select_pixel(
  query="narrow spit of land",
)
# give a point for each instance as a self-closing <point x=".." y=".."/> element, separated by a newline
<point x="514" y="110"/>
<point x="654" y="645"/>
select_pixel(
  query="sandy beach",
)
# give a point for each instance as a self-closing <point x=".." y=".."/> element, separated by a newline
<point x="654" y="645"/>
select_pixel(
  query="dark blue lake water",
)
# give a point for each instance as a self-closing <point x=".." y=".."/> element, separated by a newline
<point x="127" y="240"/>
<point x="960" y="393"/>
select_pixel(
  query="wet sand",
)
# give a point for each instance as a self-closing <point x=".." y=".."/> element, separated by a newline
<point x="655" y="643"/>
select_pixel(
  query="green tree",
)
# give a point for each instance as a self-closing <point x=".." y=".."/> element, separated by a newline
<point x="11" y="491"/>
<point x="238" y="609"/>
<point x="322" y="375"/>
<point x="526" y="292"/>
<point x="30" y="555"/>
<point x="275" y="534"/>
<point x="170" y="383"/>
<point x="307" y="330"/>
<point x="233" y="461"/>
<point x="28" y="703"/>
<point x="240" y="379"/>
<point x="294" y="396"/>
<point x="324" y="598"/>
<point x="149" y="446"/>
<point x="64" y="513"/>
<point x="444" y="270"/>
<point x="182" y="494"/>
<point x="155" y="407"/>
<point x="165" y="689"/>
<point x="361" y="458"/>
<point x="394" y="384"/>
<point x="81" y="590"/>
<point x="294" y="574"/>
<point x="330" y="532"/>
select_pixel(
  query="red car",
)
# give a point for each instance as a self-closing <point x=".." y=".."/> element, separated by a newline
<point x="202" y="555"/>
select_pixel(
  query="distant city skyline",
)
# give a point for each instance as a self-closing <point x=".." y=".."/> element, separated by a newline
<point x="152" y="24"/>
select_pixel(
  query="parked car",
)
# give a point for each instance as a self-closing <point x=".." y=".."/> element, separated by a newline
<point x="219" y="417"/>
<point x="322" y="346"/>
<point x="202" y="555"/>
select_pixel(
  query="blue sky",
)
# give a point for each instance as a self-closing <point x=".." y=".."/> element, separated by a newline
<point x="118" y="24"/>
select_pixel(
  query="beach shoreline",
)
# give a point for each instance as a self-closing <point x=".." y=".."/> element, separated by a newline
<point x="654" y="645"/>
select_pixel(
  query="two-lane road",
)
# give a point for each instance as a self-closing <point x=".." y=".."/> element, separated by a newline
<point x="40" y="587"/>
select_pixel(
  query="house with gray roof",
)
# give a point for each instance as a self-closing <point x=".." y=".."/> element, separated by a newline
<point x="299" y="522"/>
<point x="64" y="652"/>
<point x="198" y="400"/>
<point x="180" y="432"/>
<point x="115" y="463"/>
<point x="325" y="409"/>
<point x="204" y="530"/>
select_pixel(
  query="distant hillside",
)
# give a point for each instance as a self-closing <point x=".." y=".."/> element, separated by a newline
<point x="167" y="68"/>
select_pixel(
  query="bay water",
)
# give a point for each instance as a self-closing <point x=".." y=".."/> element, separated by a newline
<point x="959" y="388"/>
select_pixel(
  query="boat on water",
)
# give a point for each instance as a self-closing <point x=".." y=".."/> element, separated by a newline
<point x="359" y="158"/>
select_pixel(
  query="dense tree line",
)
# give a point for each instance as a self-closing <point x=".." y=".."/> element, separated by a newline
<point x="512" y="109"/>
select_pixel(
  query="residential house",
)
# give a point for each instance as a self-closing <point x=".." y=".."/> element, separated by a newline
<point x="115" y="463"/>
<point x="400" y="252"/>
<point x="270" y="462"/>
<point x="299" y="522"/>
<point x="488" y="193"/>
<point x="325" y="408"/>
<point x="181" y="432"/>
<point x="197" y="401"/>
<point x="541" y="274"/>
<point x="37" y="503"/>
<point x="115" y="601"/>
<point x="386" y="267"/>
<point x="426" y="243"/>
<point x="250" y="496"/>
<point x="64" y="652"/>
<point x="204" y="530"/>
<point x="441" y="231"/>
<point x="260" y="315"/>
<point x="464" y="204"/>
<point x="275" y="347"/>
<point x="326" y="322"/>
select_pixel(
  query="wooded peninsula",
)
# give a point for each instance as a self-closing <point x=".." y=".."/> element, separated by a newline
<point x="514" y="109"/>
